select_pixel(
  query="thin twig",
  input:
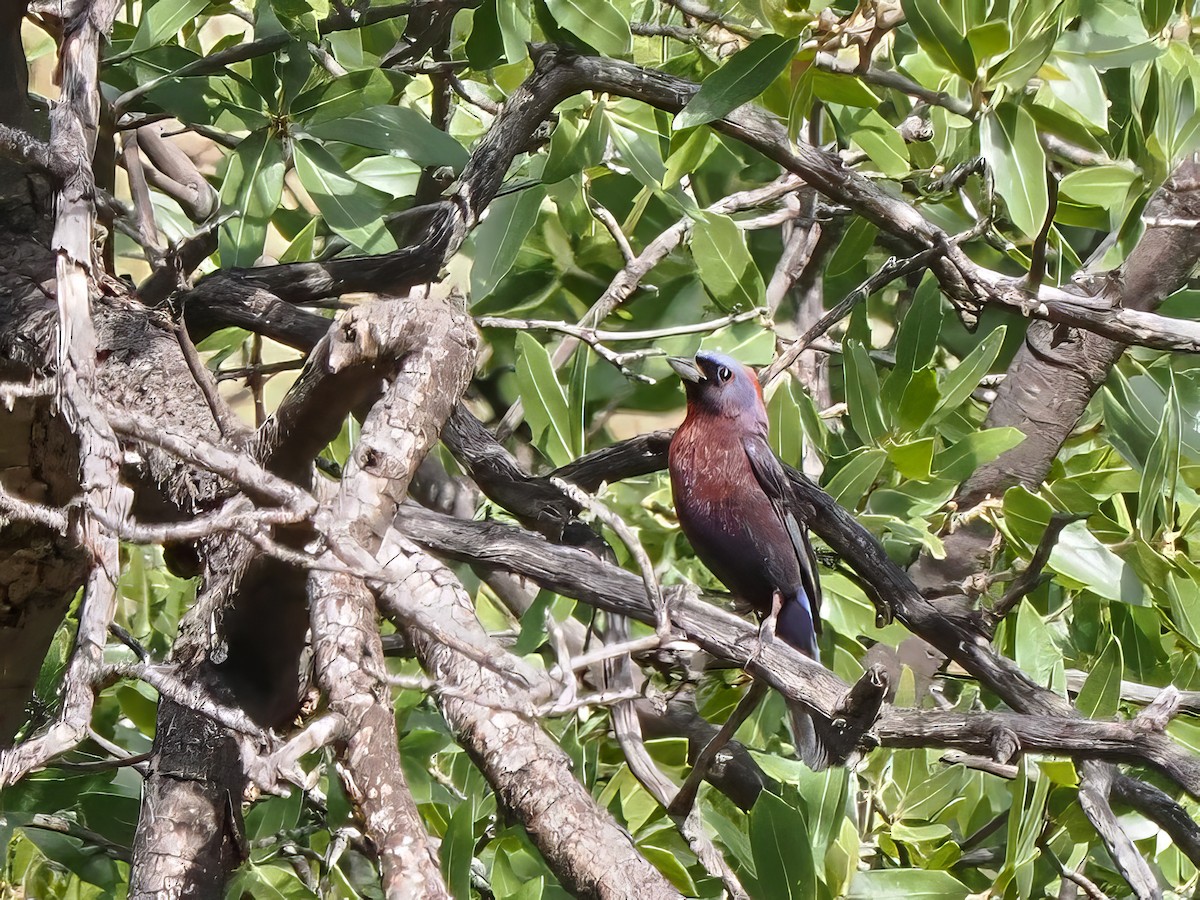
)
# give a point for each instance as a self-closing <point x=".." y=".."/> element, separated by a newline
<point x="632" y="543"/>
<point x="686" y="797"/>
<point x="1032" y="576"/>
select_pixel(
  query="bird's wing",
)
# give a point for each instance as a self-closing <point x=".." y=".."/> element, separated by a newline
<point x="774" y="483"/>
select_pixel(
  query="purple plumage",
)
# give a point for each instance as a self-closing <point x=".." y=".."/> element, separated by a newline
<point x="730" y="498"/>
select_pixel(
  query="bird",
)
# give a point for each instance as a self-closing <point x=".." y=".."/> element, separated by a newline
<point x="730" y="496"/>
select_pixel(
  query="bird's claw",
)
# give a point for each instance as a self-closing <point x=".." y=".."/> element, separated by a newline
<point x="766" y="631"/>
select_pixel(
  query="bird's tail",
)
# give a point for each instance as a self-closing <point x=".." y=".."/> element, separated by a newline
<point x="796" y="627"/>
<point x="811" y="748"/>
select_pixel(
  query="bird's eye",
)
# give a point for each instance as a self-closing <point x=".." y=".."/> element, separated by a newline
<point x="724" y="374"/>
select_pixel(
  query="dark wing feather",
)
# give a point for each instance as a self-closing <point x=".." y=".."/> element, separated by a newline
<point x="774" y="483"/>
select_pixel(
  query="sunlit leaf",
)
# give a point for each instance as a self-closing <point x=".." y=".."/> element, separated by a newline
<point x="1009" y="142"/>
<point x="596" y="21"/>
<point x="252" y="187"/>
<point x="725" y="265"/>
<point x="740" y="80"/>
<point x="350" y="208"/>
<point x="545" y="402"/>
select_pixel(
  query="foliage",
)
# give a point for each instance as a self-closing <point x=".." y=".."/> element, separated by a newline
<point x="313" y="162"/>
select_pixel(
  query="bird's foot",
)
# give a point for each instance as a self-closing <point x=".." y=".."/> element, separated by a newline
<point x="766" y="631"/>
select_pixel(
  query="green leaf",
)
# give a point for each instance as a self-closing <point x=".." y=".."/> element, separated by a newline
<point x="1183" y="592"/>
<point x="163" y="20"/>
<point x="853" y="247"/>
<point x="546" y="407"/>
<point x="636" y="133"/>
<point x="458" y="846"/>
<point x="516" y="28"/>
<point x="350" y="208"/>
<point x="746" y="75"/>
<point x="1156" y="14"/>
<point x="499" y="237"/>
<point x="989" y="39"/>
<point x="878" y="138"/>
<point x="916" y="339"/>
<point x="301" y="247"/>
<point x="1009" y="142"/>
<point x="252" y="187"/>
<point x="688" y="155"/>
<point x="141" y="710"/>
<point x="572" y="150"/>
<point x="667" y="862"/>
<point x="783" y="859"/>
<point x="854" y="479"/>
<point x="485" y="44"/>
<point x="1140" y="634"/>
<point x="921" y="397"/>
<point x="1080" y="556"/>
<point x="270" y="881"/>
<point x="726" y="268"/>
<point x="394" y="129"/>
<point x="1099" y="185"/>
<point x="912" y="460"/>
<point x="342" y="96"/>
<point x="785" y="425"/>
<point x="846" y="90"/>
<point x="939" y="36"/>
<point x="911" y="884"/>
<point x="1100" y="695"/>
<point x="1160" y="477"/>
<point x="959" y="461"/>
<point x="964" y="378"/>
<point x="862" y="393"/>
<point x="1026" y="57"/>
<point x="596" y="21"/>
<point x="1036" y="653"/>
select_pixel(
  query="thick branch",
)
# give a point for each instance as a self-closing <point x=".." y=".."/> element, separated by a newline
<point x="577" y="574"/>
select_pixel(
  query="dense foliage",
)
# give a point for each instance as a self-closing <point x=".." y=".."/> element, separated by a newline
<point x="328" y="128"/>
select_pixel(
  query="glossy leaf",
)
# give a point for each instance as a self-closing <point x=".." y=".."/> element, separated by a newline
<point x="916" y="339"/>
<point x="499" y="237"/>
<point x="959" y="461"/>
<point x="939" y="37"/>
<point x="912" y="884"/>
<point x="163" y="20"/>
<point x="746" y="75"/>
<point x="596" y="21"/>
<point x="545" y="402"/>
<point x="783" y="861"/>
<point x="252" y="187"/>
<point x="343" y="96"/>
<point x="862" y="394"/>
<point x="394" y="129"/>
<point x="1100" y="695"/>
<point x="726" y="268"/>
<point x="350" y="208"/>
<point x="1009" y="142"/>
<point x="964" y="378"/>
<point x="1160" y="476"/>
<point x="878" y="139"/>
<point x="516" y="27"/>
<point x="854" y="479"/>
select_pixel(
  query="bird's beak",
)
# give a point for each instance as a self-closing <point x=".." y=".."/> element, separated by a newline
<point x="686" y="369"/>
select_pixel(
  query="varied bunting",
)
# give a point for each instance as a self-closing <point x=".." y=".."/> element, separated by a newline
<point x="729" y="491"/>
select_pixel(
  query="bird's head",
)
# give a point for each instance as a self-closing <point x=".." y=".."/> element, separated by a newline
<point x="719" y="385"/>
